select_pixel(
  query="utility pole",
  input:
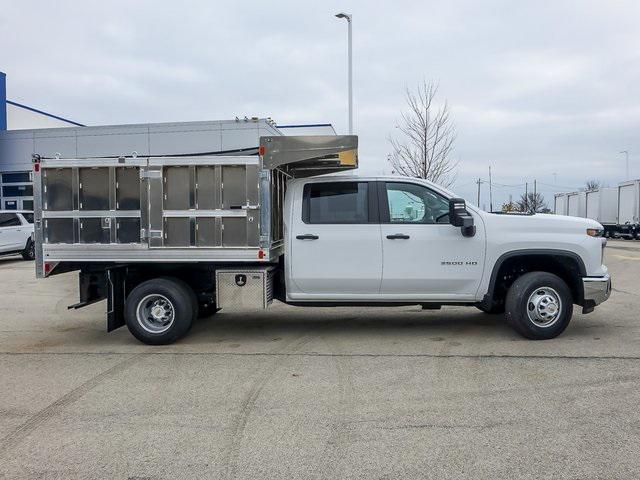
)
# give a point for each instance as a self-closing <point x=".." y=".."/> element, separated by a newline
<point x="490" y="192"/>
<point x="535" y="196"/>
<point x="526" y="196"/>
<point x="479" y="182"/>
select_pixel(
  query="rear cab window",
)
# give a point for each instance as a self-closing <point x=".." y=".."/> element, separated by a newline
<point x="28" y="217"/>
<point x="337" y="203"/>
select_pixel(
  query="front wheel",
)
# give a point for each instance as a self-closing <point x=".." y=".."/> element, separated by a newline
<point x="160" y="311"/>
<point x="539" y="305"/>
<point x="492" y="310"/>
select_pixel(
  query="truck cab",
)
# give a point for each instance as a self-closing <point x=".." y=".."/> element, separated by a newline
<point x="381" y="239"/>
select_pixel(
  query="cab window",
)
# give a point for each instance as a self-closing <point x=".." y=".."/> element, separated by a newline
<point x="336" y="202"/>
<point x="411" y="203"/>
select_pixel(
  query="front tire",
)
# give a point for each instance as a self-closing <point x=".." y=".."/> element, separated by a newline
<point x="29" y="252"/>
<point x="160" y="311"/>
<point x="493" y="310"/>
<point x="539" y="305"/>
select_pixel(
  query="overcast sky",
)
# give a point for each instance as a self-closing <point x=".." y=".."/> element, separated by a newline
<point x="535" y="88"/>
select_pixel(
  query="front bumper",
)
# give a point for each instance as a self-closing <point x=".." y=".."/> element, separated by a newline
<point x="596" y="290"/>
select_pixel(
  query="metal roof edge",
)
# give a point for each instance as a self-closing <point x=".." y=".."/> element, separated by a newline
<point x="26" y="107"/>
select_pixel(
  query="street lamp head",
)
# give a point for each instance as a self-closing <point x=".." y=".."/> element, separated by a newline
<point x="344" y="15"/>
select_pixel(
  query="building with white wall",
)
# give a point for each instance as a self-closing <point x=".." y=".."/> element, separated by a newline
<point x="16" y="190"/>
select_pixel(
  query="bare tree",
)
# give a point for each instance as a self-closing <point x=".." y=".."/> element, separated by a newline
<point x="532" y="203"/>
<point x="427" y="135"/>
<point x="509" y="207"/>
<point x="592" y="184"/>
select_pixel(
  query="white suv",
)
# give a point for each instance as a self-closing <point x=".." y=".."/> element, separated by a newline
<point x="16" y="233"/>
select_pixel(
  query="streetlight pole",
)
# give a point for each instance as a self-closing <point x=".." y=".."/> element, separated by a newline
<point x="627" y="156"/>
<point x="349" y="18"/>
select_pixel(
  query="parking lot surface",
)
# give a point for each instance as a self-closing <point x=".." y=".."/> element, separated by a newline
<point x="318" y="393"/>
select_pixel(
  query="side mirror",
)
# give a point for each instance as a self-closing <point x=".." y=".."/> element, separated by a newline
<point x="460" y="217"/>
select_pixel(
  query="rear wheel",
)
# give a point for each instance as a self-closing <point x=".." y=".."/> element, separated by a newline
<point x="206" y="310"/>
<point x="160" y="311"/>
<point x="539" y="305"/>
<point x="29" y="252"/>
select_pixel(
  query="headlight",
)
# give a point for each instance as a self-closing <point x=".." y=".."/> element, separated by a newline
<point x="595" y="232"/>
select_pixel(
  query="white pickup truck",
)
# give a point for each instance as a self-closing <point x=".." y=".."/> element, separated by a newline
<point x="201" y="234"/>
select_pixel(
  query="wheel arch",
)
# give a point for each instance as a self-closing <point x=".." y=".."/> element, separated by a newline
<point x="510" y="265"/>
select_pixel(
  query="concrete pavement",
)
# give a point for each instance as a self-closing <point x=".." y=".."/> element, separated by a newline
<point x="318" y="393"/>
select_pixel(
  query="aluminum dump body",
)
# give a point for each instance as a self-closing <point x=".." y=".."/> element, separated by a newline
<point x="202" y="208"/>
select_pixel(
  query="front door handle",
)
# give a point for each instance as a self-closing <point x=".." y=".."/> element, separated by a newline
<point x="398" y="236"/>
<point x="307" y="236"/>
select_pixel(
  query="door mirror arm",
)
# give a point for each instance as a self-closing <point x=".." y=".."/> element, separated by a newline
<point x="460" y="217"/>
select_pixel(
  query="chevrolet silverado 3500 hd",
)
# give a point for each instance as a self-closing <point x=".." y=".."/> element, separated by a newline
<point x="167" y="238"/>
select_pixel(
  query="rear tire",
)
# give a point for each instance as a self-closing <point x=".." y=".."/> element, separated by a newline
<point x="539" y="305"/>
<point x="29" y="252"/>
<point x="160" y="311"/>
<point x="207" y="310"/>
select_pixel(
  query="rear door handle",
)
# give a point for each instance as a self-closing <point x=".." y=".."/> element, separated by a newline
<point x="398" y="236"/>
<point x="307" y="236"/>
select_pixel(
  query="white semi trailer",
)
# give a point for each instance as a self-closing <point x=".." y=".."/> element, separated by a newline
<point x="602" y="206"/>
<point x="576" y="204"/>
<point x="629" y="209"/>
<point x="560" y="204"/>
<point x="617" y="209"/>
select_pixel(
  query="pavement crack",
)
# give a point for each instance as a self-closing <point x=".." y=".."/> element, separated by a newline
<point x="249" y="402"/>
<point x="14" y="437"/>
<point x="358" y="355"/>
<point x="617" y="290"/>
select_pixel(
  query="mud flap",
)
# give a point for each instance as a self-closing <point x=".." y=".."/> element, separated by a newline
<point x="92" y="288"/>
<point x="115" y="298"/>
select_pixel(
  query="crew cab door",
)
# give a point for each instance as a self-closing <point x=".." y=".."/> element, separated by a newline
<point x="11" y="232"/>
<point x="334" y="244"/>
<point x="425" y="257"/>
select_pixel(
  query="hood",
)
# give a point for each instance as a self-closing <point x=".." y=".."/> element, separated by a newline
<point x="541" y="222"/>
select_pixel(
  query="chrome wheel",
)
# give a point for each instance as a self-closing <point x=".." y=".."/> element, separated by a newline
<point x="155" y="313"/>
<point x="544" y="307"/>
